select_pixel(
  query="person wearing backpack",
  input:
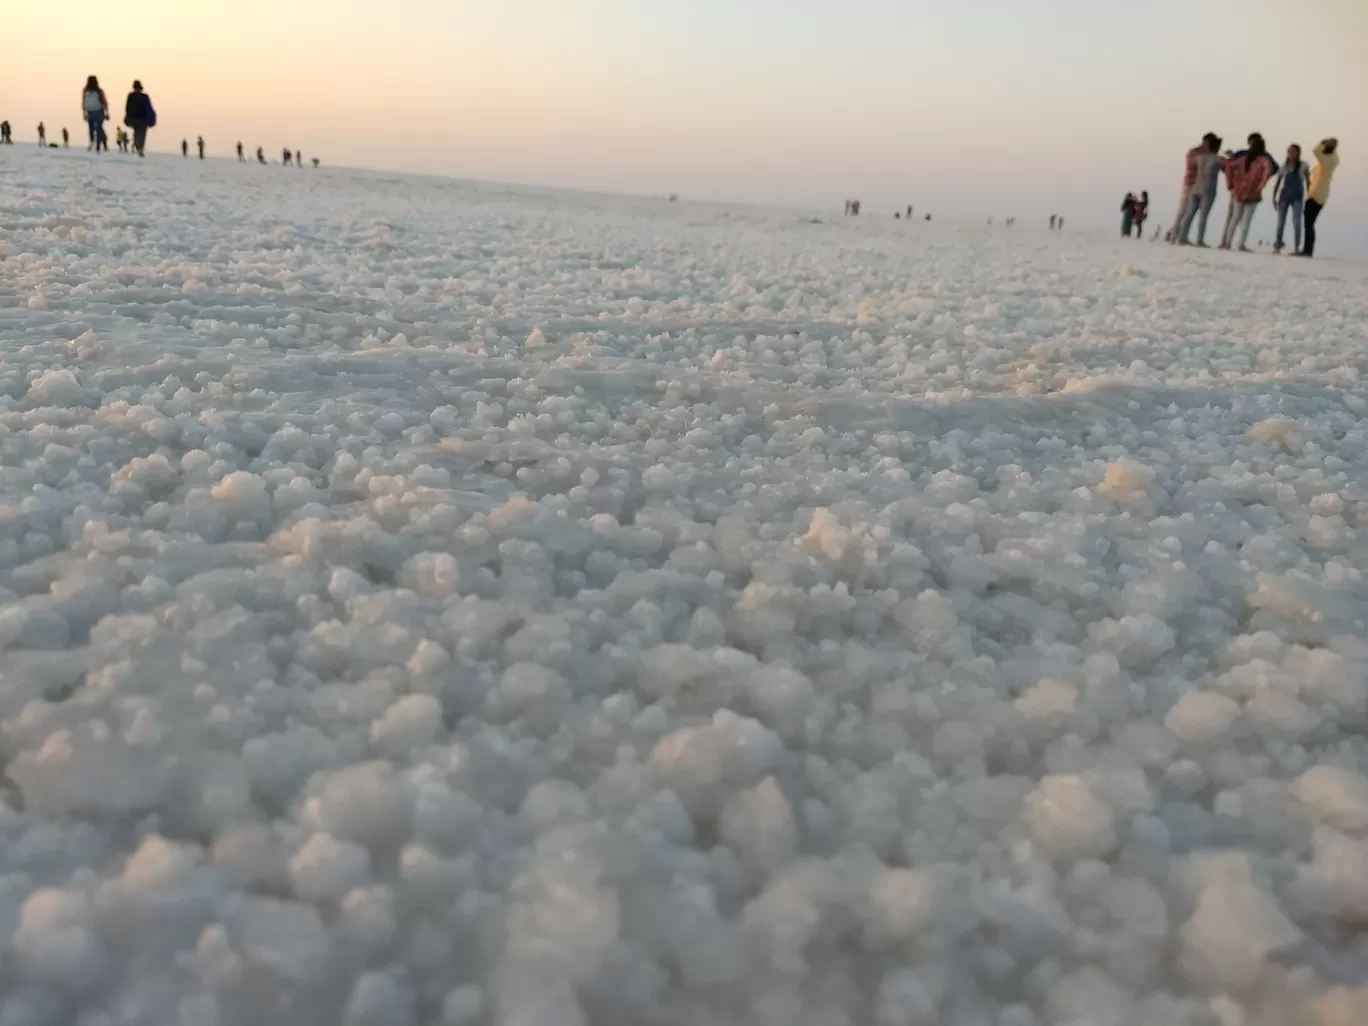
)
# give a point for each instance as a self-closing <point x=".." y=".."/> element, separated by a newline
<point x="139" y="115"/>
<point x="96" y="110"/>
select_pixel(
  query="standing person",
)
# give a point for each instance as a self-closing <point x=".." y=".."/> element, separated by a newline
<point x="1247" y="173"/>
<point x="299" y="158"/>
<point x="42" y="135"/>
<point x="4" y="133"/>
<point x="1141" y="212"/>
<point x="96" y="109"/>
<point x="1289" y="194"/>
<point x="139" y="115"/>
<point x="66" y="139"/>
<point x="199" y="144"/>
<point x="1127" y="215"/>
<point x="241" y="158"/>
<point x="261" y="156"/>
<point x="185" y="147"/>
<point x="1201" y="181"/>
<point x="1327" y="162"/>
<point x="287" y="158"/>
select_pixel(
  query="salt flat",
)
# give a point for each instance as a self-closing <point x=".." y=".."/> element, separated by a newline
<point x="430" y="603"/>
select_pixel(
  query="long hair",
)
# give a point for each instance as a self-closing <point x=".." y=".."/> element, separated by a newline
<point x="92" y="83"/>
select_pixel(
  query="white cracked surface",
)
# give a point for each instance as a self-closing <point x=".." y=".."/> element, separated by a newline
<point x="429" y="603"/>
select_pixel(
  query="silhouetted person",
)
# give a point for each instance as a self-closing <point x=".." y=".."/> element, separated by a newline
<point x="287" y="159"/>
<point x="199" y="143"/>
<point x="5" y="134"/>
<point x="315" y="163"/>
<point x="139" y="115"/>
<point x="299" y="158"/>
<point x="241" y="158"/>
<point x="1127" y="215"/>
<point x="261" y="156"/>
<point x="1052" y="222"/>
<point x="1061" y="224"/>
<point x="1141" y="212"/>
<point x="185" y="147"/>
<point x="42" y="135"/>
<point x="66" y="139"/>
<point x="909" y="211"/>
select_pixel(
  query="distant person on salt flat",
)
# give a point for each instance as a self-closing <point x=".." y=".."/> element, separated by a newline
<point x="185" y="147"/>
<point x="199" y="144"/>
<point x="42" y="135"/>
<point x="287" y="159"/>
<point x="5" y="139"/>
<point x="909" y="211"/>
<point x="139" y="115"/>
<point x="1327" y="163"/>
<point x="299" y="158"/>
<point x="1127" y="215"/>
<point x="1141" y="213"/>
<point x="1289" y="197"/>
<point x="95" y="107"/>
<point x="66" y="139"/>
<point x="315" y="163"/>
<point x="261" y="156"/>
<point x="241" y="159"/>
<point x="1248" y="174"/>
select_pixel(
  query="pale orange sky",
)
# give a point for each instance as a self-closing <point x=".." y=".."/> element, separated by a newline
<point x="993" y="106"/>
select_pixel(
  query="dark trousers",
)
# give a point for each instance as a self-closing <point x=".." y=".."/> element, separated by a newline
<point x="139" y="138"/>
<point x="1313" y="210"/>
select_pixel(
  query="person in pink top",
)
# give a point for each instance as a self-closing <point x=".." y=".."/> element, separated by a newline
<point x="1247" y="173"/>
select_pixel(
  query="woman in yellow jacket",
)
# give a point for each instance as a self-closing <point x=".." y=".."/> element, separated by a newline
<point x="1327" y="161"/>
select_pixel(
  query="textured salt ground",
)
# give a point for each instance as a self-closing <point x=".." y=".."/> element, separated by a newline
<point x="434" y="603"/>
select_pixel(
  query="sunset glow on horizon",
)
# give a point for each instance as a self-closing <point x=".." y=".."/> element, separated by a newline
<point x="987" y="107"/>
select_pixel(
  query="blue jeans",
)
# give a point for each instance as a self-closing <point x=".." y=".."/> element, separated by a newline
<point x="1241" y="220"/>
<point x="95" y="121"/>
<point x="1197" y="205"/>
<point x="1295" y="207"/>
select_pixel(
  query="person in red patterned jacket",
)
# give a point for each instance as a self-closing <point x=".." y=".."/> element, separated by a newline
<point x="1247" y="173"/>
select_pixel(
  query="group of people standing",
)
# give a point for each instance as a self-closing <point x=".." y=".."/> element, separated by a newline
<point x="1134" y="212"/>
<point x="139" y="115"/>
<point x="1298" y="191"/>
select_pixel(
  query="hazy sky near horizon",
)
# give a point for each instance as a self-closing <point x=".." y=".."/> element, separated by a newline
<point x="976" y="107"/>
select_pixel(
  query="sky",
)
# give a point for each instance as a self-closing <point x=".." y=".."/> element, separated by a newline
<point x="971" y="108"/>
